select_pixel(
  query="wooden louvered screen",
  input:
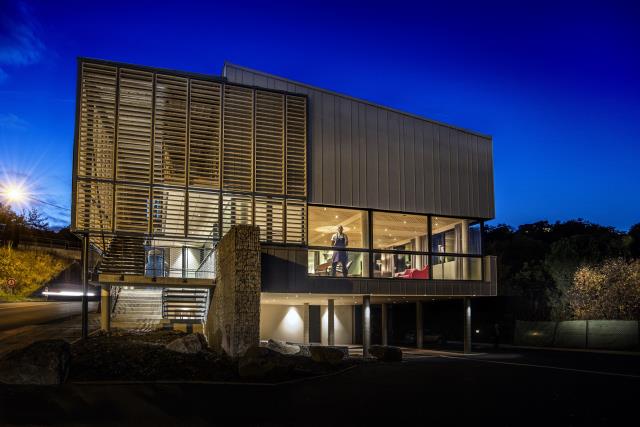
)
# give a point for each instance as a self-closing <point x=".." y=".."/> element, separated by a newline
<point x="94" y="207"/>
<point x="132" y="208"/>
<point x="269" y="167"/>
<point x="191" y="156"/>
<point x="96" y="133"/>
<point x="167" y="212"/>
<point x="296" y="146"/>
<point x="204" y="134"/>
<point x="170" y="130"/>
<point x="133" y="161"/>
<point x="296" y="221"/>
<point x="269" y="216"/>
<point x="236" y="209"/>
<point x="237" y="145"/>
<point x="203" y="214"/>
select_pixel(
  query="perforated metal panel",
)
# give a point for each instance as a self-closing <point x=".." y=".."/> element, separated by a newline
<point x="269" y="216"/>
<point x="296" y="144"/>
<point x="134" y="126"/>
<point x="170" y="130"/>
<point x="204" y="134"/>
<point x="237" y="148"/>
<point x="269" y="169"/>
<point x="96" y="133"/>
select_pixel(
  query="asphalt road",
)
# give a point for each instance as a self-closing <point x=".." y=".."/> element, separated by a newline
<point x="507" y="388"/>
<point x="15" y="315"/>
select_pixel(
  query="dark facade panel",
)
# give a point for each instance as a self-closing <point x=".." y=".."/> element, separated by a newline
<point x="367" y="156"/>
<point x="284" y="270"/>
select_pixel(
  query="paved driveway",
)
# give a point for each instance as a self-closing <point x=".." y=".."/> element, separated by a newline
<point x="430" y="388"/>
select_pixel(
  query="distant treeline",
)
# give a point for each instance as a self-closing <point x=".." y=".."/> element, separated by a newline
<point x="550" y="270"/>
<point x="28" y="227"/>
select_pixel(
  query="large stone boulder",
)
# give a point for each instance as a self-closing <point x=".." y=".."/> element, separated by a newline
<point x="385" y="353"/>
<point x="328" y="354"/>
<point x="42" y="363"/>
<point x="192" y="343"/>
<point x="262" y="362"/>
<point x="283" y="347"/>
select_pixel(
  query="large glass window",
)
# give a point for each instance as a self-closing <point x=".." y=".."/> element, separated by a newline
<point x="392" y="231"/>
<point x="455" y="236"/>
<point x="338" y="263"/>
<point x="337" y="227"/>
<point x="400" y="265"/>
<point x="446" y="267"/>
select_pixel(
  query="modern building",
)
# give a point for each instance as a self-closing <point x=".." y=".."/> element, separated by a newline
<point x="166" y="162"/>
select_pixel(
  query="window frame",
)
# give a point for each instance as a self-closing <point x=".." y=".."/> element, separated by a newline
<point x="372" y="251"/>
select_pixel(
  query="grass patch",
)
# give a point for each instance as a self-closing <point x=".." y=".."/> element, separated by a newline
<point x="30" y="268"/>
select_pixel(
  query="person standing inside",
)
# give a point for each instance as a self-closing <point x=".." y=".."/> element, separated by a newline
<point x="339" y="241"/>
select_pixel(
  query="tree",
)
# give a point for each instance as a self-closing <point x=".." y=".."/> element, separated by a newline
<point x="610" y="290"/>
<point x="36" y="220"/>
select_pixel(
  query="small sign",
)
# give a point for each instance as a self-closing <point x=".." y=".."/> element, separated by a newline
<point x="11" y="282"/>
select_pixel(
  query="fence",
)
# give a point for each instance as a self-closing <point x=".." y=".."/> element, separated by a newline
<point x="591" y="334"/>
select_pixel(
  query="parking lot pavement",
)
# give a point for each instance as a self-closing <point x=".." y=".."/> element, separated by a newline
<point x="69" y="329"/>
<point x="429" y="387"/>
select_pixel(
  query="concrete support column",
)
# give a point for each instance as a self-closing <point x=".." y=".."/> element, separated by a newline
<point x="467" y="325"/>
<point x="419" y="330"/>
<point x="385" y="327"/>
<point x="105" y="308"/>
<point x="331" y="335"/>
<point x="305" y="323"/>
<point x="366" y="325"/>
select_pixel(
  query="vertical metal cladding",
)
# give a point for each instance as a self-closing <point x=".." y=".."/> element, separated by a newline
<point x="367" y="156"/>
<point x="167" y="154"/>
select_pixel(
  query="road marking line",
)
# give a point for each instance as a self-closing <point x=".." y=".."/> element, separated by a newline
<point x="530" y="365"/>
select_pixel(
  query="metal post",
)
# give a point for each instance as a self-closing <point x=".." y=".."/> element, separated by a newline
<point x="467" y="325"/>
<point x="419" y="330"/>
<point x="366" y="325"/>
<point x="105" y="308"/>
<point x="305" y="323"/>
<point x="85" y="286"/>
<point x="331" y="336"/>
<point x="385" y="338"/>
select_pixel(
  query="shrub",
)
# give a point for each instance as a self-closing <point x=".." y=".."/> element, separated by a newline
<point x="609" y="291"/>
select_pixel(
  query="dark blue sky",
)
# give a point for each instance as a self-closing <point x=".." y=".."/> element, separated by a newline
<point x="557" y="84"/>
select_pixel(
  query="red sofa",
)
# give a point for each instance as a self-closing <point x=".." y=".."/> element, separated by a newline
<point x="414" y="273"/>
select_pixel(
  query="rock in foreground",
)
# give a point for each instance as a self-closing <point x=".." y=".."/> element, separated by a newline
<point x="283" y="347"/>
<point x="328" y="354"/>
<point x="192" y="343"/>
<point x="42" y="363"/>
<point x="385" y="353"/>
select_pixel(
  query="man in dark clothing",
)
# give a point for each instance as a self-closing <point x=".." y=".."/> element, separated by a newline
<point x="339" y="241"/>
<point x="496" y="329"/>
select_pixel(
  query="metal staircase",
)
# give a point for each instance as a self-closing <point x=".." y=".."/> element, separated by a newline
<point x="124" y="255"/>
<point x="138" y="308"/>
<point x="184" y="304"/>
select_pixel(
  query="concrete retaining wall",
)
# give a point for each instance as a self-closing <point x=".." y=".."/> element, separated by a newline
<point x="592" y="334"/>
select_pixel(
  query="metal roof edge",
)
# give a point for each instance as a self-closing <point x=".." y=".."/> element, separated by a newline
<point x="373" y="104"/>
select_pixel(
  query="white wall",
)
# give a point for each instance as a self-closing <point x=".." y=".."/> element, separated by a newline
<point x="284" y="323"/>
<point x="342" y="324"/>
<point x="281" y="322"/>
